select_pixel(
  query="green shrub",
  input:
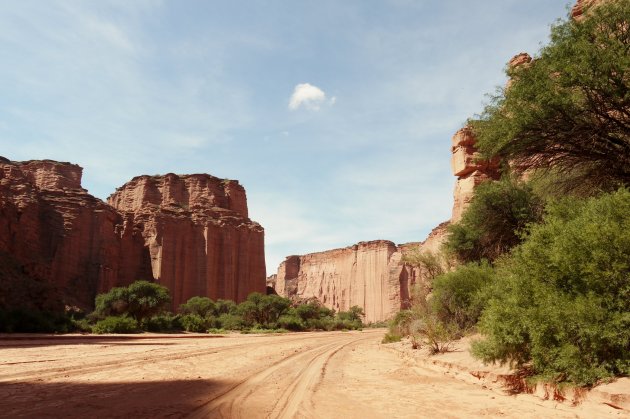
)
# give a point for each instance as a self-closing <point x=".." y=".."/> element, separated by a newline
<point x="561" y="301"/>
<point x="355" y="314"/>
<point x="345" y="324"/>
<point x="215" y="331"/>
<point x="140" y="300"/>
<point x="202" y="306"/>
<point x="165" y="322"/>
<point x="460" y="296"/>
<point x="291" y="322"/>
<point x="196" y="323"/>
<point x="264" y="310"/>
<point x="34" y="321"/>
<point x="230" y="322"/>
<point x="115" y="324"/>
<point x="323" y="323"/>
<point x="82" y="325"/>
<point x="493" y="223"/>
<point x="225" y="307"/>
<point x="391" y="338"/>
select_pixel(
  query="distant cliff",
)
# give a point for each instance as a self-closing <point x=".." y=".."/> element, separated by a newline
<point x="374" y="275"/>
<point x="190" y="233"/>
<point x="197" y="233"/>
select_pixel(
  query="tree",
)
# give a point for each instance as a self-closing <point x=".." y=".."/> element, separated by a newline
<point x="147" y="299"/>
<point x="569" y="109"/>
<point x="561" y="300"/>
<point x="140" y="300"/>
<point x="263" y="309"/>
<point x="459" y="296"/>
<point x="495" y="220"/>
<point x="201" y="306"/>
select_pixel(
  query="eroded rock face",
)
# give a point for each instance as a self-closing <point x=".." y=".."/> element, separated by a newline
<point x="190" y="233"/>
<point x="469" y="169"/>
<point x="60" y="234"/>
<point x="371" y="275"/>
<point x="577" y="12"/>
<point x="198" y="234"/>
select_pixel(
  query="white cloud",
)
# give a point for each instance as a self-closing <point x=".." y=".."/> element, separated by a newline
<point x="307" y="95"/>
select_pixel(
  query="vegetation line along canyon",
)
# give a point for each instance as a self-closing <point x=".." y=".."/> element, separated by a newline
<point x="157" y="303"/>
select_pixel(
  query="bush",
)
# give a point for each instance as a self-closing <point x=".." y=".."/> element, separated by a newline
<point x="400" y="325"/>
<point x="355" y="314"/>
<point x="391" y="338"/>
<point x="561" y="300"/>
<point x="225" y="307"/>
<point x="230" y="322"/>
<point x="291" y="322"/>
<point x="263" y="310"/>
<point x="140" y="300"/>
<point x="431" y="264"/>
<point x="165" y="322"/>
<point x="494" y="222"/>
<point x="344" y="324"/>
<point x="34" y="321"/>
<point x="114" y="324"/>
<point x="196" y="323"/>
<point x="460" y="296"/>
<point x="202" y="306"/>
<point x="82" y="325"/>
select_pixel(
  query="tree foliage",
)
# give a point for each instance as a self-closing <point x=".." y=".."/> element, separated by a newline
<point x="263" y="310"/>
<point x="494" y="221"/>
<point x="570" y="108"/>
<point x="460" y="296"/>
<point x="561" y="300"/>
<point x="201" y="306"/>
<point x="140" y="300"/>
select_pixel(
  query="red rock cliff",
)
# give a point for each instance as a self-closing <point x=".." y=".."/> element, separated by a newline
<point x="371" y="275"/>
<point x="198" y="234"/>
<point x="60" y="234"/>
<point x="191" y="233"/>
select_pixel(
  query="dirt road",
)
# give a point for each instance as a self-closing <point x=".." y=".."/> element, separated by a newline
<point x="311" y="375"/>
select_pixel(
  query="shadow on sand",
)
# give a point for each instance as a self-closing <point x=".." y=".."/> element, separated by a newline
<point x="138" y="399"/>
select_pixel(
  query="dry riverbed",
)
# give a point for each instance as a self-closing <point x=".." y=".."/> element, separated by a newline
<point x="310" y="375"/>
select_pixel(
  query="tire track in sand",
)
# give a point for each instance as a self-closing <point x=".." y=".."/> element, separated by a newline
<point x="298" y="375"/>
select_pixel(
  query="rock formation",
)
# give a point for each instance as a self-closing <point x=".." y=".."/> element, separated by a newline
<point x="578" y="9"/>
<point x="197" y="232"/>
<point x="371" y="275"/>
<point x="57" y="235"/>
<point x="374" y="275"/>
<point x="469" y="169"/>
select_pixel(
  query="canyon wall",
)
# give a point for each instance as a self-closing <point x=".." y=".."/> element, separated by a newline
<point x="371" y="275"/>
<point x="374" y="275"/>
<point x="54" y="236"/>
<point x="198" y="234"/>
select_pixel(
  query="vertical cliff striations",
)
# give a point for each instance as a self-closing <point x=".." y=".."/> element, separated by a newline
<point x="197" y="232"/>
<point x="59" y="234"/>
<point x="191" y="233"/>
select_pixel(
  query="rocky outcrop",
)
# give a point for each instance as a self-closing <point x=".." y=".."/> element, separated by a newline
<point x="577" y="12"/>
<point x="57" y="237"/>
<point x="469" y="168"/>
<point x="59" y="234"/>
<point x="374" y="275"/>
<point x="197" y="232"/>
<point x="371" y="275"/>
<point x="342" y="278"/>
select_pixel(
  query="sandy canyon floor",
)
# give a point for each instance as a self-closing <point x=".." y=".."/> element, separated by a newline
<point x="310" y="375"/>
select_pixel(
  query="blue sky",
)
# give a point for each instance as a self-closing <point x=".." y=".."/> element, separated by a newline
<point x="336" y="116"/>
